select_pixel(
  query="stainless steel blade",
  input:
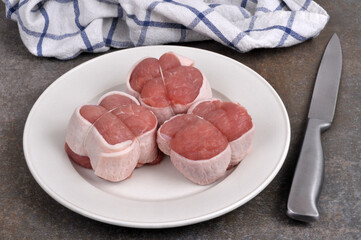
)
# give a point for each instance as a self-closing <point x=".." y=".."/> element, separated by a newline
<point x="308" y="178"/>
<point x="327" y="82"/>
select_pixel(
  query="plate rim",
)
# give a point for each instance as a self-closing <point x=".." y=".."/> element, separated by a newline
<point x="167" y="224"/>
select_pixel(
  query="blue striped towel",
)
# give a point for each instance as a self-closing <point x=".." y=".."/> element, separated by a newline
<point x="65" y="28"/>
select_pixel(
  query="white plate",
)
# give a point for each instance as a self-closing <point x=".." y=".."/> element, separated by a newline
<point x="155" y="196"/>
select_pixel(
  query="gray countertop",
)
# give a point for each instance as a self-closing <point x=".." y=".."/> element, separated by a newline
<point x="27" y="212"/>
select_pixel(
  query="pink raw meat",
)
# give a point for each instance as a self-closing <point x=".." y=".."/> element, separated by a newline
<point x="232" y="120"/>
<point x="113" y="137"/>
<point x="196" y="148"/>
<point x="167" y="86"/>
<point x="140" y="121"/>
<point x="210" y="139"/>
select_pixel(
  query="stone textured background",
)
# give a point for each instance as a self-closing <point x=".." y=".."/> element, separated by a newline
<point x="27" y="212"/>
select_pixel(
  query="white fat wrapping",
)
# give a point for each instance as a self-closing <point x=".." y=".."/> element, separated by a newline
<point x="183" y="60"/>
<point x="203" y="172"/>
<point x="163" y="142"/>
<point x="76" y="132"/>
<point x="165" y="113"/>
<point x="148" y="146"/>
<point x="95" y="144"/>
<point x="241" y="146"/>
<point x="162" y="114"/>
<point x="118" y="93"/>
<point x="115" y="166"/>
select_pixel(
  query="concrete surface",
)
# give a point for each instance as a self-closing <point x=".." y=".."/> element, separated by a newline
<point x="27" y="212"/>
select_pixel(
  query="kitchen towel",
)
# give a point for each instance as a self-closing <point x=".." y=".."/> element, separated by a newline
<point x="65" y="28"/>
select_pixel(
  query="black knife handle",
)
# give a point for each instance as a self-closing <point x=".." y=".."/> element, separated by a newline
<point x="308" y="177"/>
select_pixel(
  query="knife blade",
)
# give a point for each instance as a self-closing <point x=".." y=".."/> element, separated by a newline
<point x="307" y="181"/>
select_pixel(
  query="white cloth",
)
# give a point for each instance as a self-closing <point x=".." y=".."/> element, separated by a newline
<point x="65" y="28"/>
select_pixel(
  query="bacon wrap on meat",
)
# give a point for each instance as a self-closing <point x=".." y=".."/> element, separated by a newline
<point x="212" y="137"/>
<point x="112" y="137"/>
<point x="167" y="86"/>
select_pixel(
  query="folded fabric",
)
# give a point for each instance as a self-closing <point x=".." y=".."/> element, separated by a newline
<point x="65" y="28"/>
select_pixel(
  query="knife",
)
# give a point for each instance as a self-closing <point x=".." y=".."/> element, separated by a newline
<point x="308" y="177"/>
